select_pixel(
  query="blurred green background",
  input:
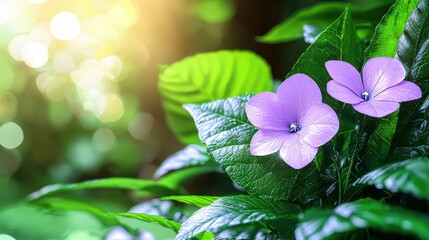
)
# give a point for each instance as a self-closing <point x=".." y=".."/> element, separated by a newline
<point x="78" y="93"/>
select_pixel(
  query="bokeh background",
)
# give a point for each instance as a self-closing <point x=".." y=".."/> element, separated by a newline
<point x="79" y="98"/>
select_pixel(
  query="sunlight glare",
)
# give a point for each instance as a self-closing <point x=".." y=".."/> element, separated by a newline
<point x="65" y="26"/>
<point x="37" y="1"/>
<point x="64" y="62"/>
<point x="111" y="108"/>
<point x="35" y="54"/>
<point x="111" y="64"/>
<point x="17" y="44"/>
<point x="41" y="34"/>
<point x="4" y="14"/>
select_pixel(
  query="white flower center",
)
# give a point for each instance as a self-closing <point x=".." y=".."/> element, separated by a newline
<point x="365" y="96"/>
<point x="293" y="128"/>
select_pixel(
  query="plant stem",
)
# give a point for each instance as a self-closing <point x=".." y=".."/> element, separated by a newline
<point x="354" y="155"/>
<point x="339" y="183"/>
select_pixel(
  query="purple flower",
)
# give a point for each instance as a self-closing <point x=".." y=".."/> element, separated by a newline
<point x="381" y="90"/>
<point x="294" y="121"/>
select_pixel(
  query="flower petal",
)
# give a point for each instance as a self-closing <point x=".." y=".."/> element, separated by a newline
<point x="376" y="108"/>
<point x="345" y="74"/>
<point x="296" y="153"/>
<point x="263" y="111"/>
<point x="342" y="93"/>
<point x="318" y="125"/>
<point x="381" y="73"/>
<point x="402" y="92"/>
<point x="296" y="94"/>
<point x="265" y="142"/>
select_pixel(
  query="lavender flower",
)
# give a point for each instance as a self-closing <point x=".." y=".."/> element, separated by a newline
<point x="294" y="121"/>
<point x="381" y="90"/>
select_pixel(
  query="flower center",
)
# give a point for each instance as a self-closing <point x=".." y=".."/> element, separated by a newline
<point x="293" y="128"/>
<point x="365" y="96"/>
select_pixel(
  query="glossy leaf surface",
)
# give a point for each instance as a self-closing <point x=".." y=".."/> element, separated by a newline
<point x="413" y="51"/>
<point x="237" y="210"/>
<point x="410" y="176"/>
<point x="191" y="156"/>
<point x="385" y="43"/>
<point x="361" y="214"/>
<point x="199" y="201"/>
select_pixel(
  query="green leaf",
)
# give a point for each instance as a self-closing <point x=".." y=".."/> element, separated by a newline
<point x="165" y="209"/>
<point x="413" y="52"/>
<point x="174" y="179"/>
<point x="320" y="16"/>
<point x="120" y="183"/>
<point x="385" y="43"/>
<point x="245" y="231"/>
<point x="413" y="141"/>
<point x="175" y="226"/>
<point x="237" y="210"/>
<point x="410" y="176"/>
<point x="337" y="42"/>
<point x="206" y="77"/>
<point x="379" y="142"/>
<point x="199" y="201"/>
<point x="223" y="126"/>
<point x="385" y="39"/>
<point x="361" y="214"/>
<point x="191" y="156"/>
<point x="61" y="204"/>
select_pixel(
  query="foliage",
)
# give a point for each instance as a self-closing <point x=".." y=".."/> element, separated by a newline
<point x="191" y="156"/>
<point x="224" y="128"/>
<point x="205" y="77"/>
<point x="237" y="210"/>
<point x="314" y="19"/>
<point x="334" y="196"/>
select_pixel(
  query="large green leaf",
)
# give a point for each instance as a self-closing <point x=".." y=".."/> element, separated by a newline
<point x="199" y="201"/>
<point x="409" y="176"/>
<point x="337" y="42"/>
<point x="223" y="126"/>
<point x="361" y="214"/>
<point x="385" y="39"/>
<point x="413" y="51"/>
<point x="152" y="219"/>
<point x="237" y="210"/>
<point x="320" y="16"/>
<point x="119" y="183"/>
<point x="191" y="156"/>
<point x="206" y="77"/>
<point x="385" y="43"/>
